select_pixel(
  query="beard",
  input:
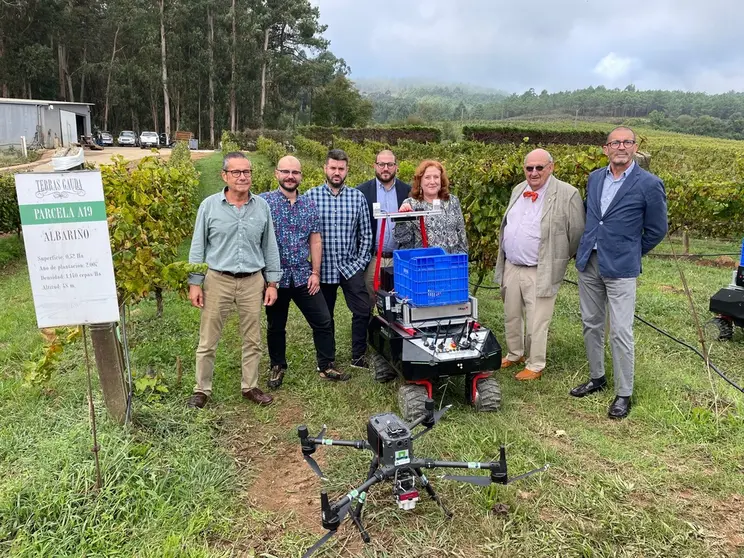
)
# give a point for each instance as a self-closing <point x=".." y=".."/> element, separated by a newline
<point x="288" y="185"/>
<point x="338" y="184"/>
<point x="381" y="178"/>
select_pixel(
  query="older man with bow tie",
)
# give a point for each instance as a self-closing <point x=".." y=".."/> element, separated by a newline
<point x="540" y="233"/>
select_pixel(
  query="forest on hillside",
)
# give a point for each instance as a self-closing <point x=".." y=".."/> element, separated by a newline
<point x="719" y="115"/>
<point x="199" y="65"/>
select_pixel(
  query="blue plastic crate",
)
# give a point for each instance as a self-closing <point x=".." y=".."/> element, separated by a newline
<point x="430" y="276"/>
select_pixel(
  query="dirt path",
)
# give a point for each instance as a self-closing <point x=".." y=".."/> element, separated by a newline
<point x="102" y="157"/>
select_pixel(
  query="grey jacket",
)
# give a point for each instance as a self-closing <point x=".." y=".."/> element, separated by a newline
<point x="561" y="227"/>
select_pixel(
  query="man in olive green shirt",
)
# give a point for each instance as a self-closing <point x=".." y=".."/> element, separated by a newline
<point x="234" y="236"/>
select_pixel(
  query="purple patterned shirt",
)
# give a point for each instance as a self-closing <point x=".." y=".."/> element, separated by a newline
<point x="293" y="225"/>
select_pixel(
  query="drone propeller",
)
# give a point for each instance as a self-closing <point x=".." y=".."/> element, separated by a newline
<point x="342" y="513"/>
<point x="314" y="466"/>
<point x="528" y="473"/>
<point x="437" y="415"/>
<point x="477" y="480"/>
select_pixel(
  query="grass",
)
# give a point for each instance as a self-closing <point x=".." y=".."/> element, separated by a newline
<point x="229" y="480"/>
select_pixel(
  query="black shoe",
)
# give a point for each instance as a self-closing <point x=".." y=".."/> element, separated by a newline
<point x="197" y="401"/>
<point x="587" y="388"/>
<point x="620" y="408"/>
<point x="360" y="362"/>
<point x="276" y="377"/>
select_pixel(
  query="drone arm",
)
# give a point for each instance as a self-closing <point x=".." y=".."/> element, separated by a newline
<point x="497" y="468"/>
<point x="358" y="444"/>
<point x="377" y="477"/>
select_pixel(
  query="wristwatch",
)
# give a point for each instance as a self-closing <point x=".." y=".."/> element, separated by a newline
<point x="272" y="284"/>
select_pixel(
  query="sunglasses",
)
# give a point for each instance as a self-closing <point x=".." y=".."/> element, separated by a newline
<point x="538" y="168"/>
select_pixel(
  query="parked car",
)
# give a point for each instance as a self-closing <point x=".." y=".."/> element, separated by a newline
<point x="127" y="138"/>
<point x="149" y="139"/>
<point x="107" y="139"/>
<point x="165" y="140"/>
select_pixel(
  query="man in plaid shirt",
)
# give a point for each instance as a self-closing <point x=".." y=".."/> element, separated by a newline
<point x="347" y="243"/>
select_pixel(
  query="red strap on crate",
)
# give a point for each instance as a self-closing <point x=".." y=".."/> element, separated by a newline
<point x="424" y="238"/>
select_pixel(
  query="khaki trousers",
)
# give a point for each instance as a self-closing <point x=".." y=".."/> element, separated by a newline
<point x="526" y="316"/>
<point x="221" y="294"/>
<point x="369" y="278"/>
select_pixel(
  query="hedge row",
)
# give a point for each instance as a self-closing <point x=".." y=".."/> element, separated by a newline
<point x="390" y="136"/>
<point x="518" y="135"/>
<point x="10" y="220"/>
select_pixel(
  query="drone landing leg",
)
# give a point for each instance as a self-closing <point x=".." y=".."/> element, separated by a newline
<point x="430" y="491"/>
<point x="356" y="515"/>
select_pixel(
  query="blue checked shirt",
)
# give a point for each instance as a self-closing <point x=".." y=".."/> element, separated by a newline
<point x="345" y="230"/>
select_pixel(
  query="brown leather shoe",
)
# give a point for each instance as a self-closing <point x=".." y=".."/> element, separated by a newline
<point x="506" y="363"/>
<point x="258" y="396"/>
<point x="527" y="374"/>
<point x="198" y="400"/>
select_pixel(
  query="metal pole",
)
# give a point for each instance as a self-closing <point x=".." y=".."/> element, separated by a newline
<point x="92" y="410"/>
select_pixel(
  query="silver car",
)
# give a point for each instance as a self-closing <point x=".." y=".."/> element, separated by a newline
<point x="107" y="139"/>
<point x="149" y="139"/>
<point x="127" y="138"/>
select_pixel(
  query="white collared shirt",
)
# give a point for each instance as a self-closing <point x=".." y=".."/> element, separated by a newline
<point x="522" y="230"/>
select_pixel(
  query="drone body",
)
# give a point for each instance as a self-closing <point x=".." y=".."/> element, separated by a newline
<point x="390" y="439"/>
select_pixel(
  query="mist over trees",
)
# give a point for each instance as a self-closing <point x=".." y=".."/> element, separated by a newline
<point x="198" y="65"/>
<point x="690" y="112"/>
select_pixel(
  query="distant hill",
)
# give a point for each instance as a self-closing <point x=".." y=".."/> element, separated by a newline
<point x="399" y="100"/>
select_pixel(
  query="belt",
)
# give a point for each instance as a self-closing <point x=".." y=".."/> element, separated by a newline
<point x="387" y="255"/>
<point x="235" y="275"/>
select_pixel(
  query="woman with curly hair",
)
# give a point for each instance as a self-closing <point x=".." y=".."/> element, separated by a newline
<point x="446" y="230"/>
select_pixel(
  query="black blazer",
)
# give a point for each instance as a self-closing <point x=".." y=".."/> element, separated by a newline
<point x="369" y="189"/>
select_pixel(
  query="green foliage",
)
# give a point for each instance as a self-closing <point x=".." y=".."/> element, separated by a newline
<point x="10" y="218"/>
<point x="337" y="103"/>
<point x="272" y="150"/>
<point x="149" y="385"/>
<point x="151" y="210"/>
<point x="14" y="156"/>
<point x="228" y="144"/>
<point x="532" y="135"/>
<point x="181" y="154"/>
<point x="310" y="148"/>
<point x="39" y="372"/>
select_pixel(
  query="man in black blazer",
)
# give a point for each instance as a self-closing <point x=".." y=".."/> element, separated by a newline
<point x="389" y="192"/>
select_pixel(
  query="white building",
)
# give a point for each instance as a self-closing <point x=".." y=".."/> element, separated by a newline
<point x="43" y="122"/>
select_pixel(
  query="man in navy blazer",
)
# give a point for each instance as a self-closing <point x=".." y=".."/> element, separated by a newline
<point x="626" y="217"/>
<point x="390" y="192"/>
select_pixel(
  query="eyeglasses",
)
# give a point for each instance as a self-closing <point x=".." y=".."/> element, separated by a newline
<point x="386" y="165"/>
<point x="236" y="173"/>
<point x="538" y="168"/>
<point x="286" y="172"/>
<point x="614" y="144"/>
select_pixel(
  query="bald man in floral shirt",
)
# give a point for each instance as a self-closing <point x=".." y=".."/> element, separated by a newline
<point x="297" y="227"/>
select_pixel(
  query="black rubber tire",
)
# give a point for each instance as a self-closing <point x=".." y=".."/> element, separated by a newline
<point x="719" y="329"/>
<point x="381" y="370"/>
<point x="411" y="399"/>
<point x="488" y="395"/>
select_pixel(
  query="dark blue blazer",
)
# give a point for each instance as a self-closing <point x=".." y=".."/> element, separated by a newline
<point x="635" y="222"/>
<point x="369" y="189"/>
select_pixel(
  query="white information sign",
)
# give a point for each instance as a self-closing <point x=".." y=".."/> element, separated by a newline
<point x="63" y="217"/>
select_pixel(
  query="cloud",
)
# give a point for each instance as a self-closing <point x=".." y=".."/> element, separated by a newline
<point x="613" y="67"/>
<point x="515" y="46"/>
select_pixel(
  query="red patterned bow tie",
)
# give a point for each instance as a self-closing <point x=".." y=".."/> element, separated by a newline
<point x="532" y="195"/>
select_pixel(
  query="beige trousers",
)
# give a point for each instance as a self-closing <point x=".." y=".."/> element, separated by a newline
<point x="526" y="316"/>
<point x="221" y="294"/>
<point x="369" y="278"/>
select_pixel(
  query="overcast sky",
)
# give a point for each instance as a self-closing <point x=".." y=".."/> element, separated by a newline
<point x="693" y="45"/>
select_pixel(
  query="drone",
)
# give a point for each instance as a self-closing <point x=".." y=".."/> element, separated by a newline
<point x="390" y="440"/>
